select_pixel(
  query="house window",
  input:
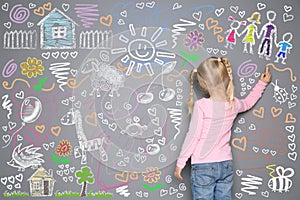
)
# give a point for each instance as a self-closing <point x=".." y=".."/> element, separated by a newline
<point x="59" y="32"/>
<point x="36" y="186"/>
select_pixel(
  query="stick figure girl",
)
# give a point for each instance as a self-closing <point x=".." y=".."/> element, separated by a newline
<point x="251" y="30"/>
<point x="232" y="32"/>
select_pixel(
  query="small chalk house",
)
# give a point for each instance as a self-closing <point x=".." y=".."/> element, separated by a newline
<point x="57" y="31"/>
<point x="41" y="183"/>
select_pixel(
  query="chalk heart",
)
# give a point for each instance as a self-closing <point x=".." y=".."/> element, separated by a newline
<point x="217" y="30"/>
<point x="134" y="176"/>
<point x="106" y="20"/>
<point x="276" y="111"/>
<point x="240" y="143"/>
<point x="39" y="11"/>
<point x="259" y="113"/>
<point x="172" y="190"/>
<point x="219" y="11"/>
<point x="19" y="177"/>
<point x="293" y="156"/>
<point x="91" y="119"/>
<point x="139" y="194"/>
<point x="163" y="192"/>
<point x="4" y="180"/>
<point x="292" y="137"/>
<point x="179" y="195"/>
<point x="265" y="194"/>
<point x="239" y="195"/>
<point x="211" y="23"/>
<point x="289" y="118"/>
<point x="122" y="177"/>
<point x="47" y="6"/>
<point x="255" y="149"/>
<point x="55" y="130"/>
<point x="220" y="38"/>
<point x="7" y="25"/>
<point x="20" y="95"/>
<point x="176" y="6"/>
<point x="5" y="7"/>
<point x="40" y="128"/>
<point x="261" y="6"/>
<point x="239" y="172"/>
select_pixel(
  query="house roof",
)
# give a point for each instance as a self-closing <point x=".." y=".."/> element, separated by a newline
<point x="41" y="173"/>
<point x="53" y="11"/>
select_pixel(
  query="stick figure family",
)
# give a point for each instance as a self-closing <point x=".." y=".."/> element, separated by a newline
<point x="267" y="35"/>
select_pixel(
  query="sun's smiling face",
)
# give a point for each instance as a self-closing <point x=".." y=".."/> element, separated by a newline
<point x="141" y="49"/>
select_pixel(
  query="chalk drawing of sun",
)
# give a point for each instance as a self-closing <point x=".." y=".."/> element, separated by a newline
<point x="141" y="50"/>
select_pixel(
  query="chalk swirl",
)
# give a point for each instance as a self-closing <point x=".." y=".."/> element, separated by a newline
<point x="19" y="14"/>
<point x="9" y="68"/>
<point x="246" y="69"/>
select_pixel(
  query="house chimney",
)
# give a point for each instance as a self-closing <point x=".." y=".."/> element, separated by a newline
<point x="50" y="172"/>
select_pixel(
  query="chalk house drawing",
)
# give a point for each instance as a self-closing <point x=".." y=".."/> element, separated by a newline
<point x="57" y="31"/>
<point x="41" y="183"/>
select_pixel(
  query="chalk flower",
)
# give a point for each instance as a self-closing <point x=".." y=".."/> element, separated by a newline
<point x="64" y="148"/>
<point x="194" y="39"/>
<point x="32" y="67"/>
<point x="152" y="175"/>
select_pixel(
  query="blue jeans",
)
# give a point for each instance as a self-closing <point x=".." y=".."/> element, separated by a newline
<point x="212" y="181"/>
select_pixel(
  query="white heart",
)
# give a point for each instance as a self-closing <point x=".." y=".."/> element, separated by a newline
<point x="46" y="55"/>
<point x="6" y="138"/>
<point x="46" y="146"/>
<point x="197" y="15"/>
<point x="4" y="180"/>
<point x="11" y="179"/>
<point x="234" y="8"/>
<point x="293" y="156"/>
<point x="219" y="11"/>
<point x="70" y="178"/>
<point x="18" y="186"/>
<point x="65" y="6"/>
<point x="287" y="8"/>
<point x="19" y="177"/>
<point x="177" y="6"/>
<point x="239" y="172"/>
<point x="255" y="149"/>
<point x="65" y="179"/>
<point x="201" y="26"/>
<point x="261" y="6"/>
<point x="20" y="95"/>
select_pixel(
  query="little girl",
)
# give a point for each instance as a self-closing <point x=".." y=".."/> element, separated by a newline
<point x="207" y="140"/>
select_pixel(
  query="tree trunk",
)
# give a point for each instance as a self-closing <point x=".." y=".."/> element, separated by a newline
<point x="83" y="189"/>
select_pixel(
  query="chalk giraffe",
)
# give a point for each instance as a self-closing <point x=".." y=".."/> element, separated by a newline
<point x="85" y="145"/>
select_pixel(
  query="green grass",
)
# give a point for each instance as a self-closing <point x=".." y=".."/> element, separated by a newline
<point x="77" y="194"/>
<point x="66" y="194"/>
<point x="99" y="195"/>
<point x="15" y="194"/>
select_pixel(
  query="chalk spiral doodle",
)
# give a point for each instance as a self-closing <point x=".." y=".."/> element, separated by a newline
<point x="104" y="56"/>
<point x="9" y="68"/>
<point x="19" y="14"/>
<point x="247" y="69"/>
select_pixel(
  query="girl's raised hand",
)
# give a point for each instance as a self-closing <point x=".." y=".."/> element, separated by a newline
<point x="266" y="77"/>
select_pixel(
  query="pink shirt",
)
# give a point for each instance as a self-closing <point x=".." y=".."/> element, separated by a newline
<point x="208" y="137"/>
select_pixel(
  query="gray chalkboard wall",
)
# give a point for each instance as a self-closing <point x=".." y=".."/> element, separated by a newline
<point x="93" y="95"/>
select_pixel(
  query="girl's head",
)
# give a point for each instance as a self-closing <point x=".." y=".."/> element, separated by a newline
<point x="213" y="74"/>
<point x="255" y="17"/>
